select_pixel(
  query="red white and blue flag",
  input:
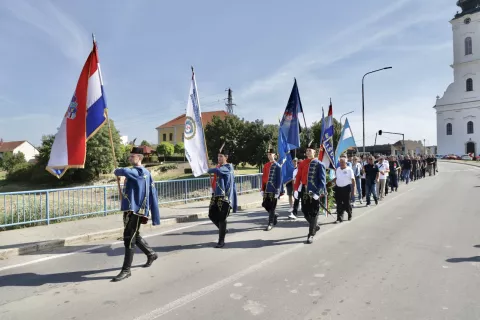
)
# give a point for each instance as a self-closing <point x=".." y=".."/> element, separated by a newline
<point x="85" y="115"/>
<point x="327" y="153"/>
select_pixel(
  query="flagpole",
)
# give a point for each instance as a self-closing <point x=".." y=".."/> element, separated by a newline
<point x="111" y="140"/>
<point x="203" y="129"/>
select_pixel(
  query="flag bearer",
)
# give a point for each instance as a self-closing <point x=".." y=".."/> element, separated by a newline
<point x="139" y="198"/>
<point x="271" y="187"/>
<point x="224" y="194"/>
<point x="311" y="179"/>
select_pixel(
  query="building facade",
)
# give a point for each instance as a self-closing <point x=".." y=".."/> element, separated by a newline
<point x="173" y="130"/>
<point x="458" y="111"/>
<point x="25" y="147"/>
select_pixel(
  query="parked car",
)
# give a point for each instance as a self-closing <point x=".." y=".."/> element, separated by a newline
<point x="466" y="157"/>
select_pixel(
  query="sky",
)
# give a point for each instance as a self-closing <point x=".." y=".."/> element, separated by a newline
<point x="256" y="48"/>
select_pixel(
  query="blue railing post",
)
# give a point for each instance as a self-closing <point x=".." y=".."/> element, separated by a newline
<point x="105" y="200"/>
<point x="47" y="208"/>
<point x="241" y="182"/>
<point x="186" y="190"/>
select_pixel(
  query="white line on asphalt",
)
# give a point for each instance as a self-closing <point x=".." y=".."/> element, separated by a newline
<point x="218" y="285"/>
<point x="61" y="255"/>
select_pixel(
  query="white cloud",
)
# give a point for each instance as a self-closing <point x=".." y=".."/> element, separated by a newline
<point x="58" y="25"/>
<point x="269" y="95"/>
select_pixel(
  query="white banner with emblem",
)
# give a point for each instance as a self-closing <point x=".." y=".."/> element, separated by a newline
<point x="195" y="146"/>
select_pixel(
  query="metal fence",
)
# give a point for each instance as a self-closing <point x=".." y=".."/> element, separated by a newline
<point x="47" y="206"/>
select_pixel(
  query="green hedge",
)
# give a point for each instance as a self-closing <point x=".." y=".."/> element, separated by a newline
<point x="21" y="172"/>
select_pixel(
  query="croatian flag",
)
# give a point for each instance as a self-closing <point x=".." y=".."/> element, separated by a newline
<point x="85" y="115"/>
<point x="327" y="154"/>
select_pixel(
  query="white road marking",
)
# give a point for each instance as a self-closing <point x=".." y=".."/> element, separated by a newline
<point x="156" y="313"/>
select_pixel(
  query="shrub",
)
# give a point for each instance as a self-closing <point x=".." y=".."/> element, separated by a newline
<point x="187" y="171"/>
<point x="154" y="158"/>
<point x="168" y="167"/>
<point x="21" y="172"/>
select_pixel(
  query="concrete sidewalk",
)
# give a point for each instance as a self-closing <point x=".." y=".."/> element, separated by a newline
<point x="28" y="240"/>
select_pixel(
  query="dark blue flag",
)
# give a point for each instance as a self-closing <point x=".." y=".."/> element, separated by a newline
<point x="290" y="124"/>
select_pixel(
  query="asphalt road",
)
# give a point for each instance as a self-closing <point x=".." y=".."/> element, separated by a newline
<point x="414" y="256"/>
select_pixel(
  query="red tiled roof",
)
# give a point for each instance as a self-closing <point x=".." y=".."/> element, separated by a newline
<point x="9" y="146"/>
<point x="146" y="149"/>
<point x="206" y="117"/>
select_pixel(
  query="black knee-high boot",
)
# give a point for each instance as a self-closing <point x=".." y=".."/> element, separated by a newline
<point x="127" y="264"/>
<point x="271" y="220"/>
<point x="222" y="230"/>
<point x="313" y="228"/>
<point x="151" y="255"/>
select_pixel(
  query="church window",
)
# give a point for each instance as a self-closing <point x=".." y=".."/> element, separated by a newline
<point x="469" y="84"/>
<point x="449" y="129"/>
<point x="164" y="137"/>
<point x="470" y="127"/>
<point x="171" y="136"/>
<point x="468" y="46"/>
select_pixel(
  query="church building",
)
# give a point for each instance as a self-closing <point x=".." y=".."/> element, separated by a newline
<point x="458" y="111"/>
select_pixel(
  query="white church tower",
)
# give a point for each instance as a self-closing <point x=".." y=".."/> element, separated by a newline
<point x="458" y="111"/>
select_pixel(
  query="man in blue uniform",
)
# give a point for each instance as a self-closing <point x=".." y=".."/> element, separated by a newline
<point x="224" y="195"/>
<point x="139" y="199"/>
<point x="271" y="187"/>
<point x="311" y="179"/>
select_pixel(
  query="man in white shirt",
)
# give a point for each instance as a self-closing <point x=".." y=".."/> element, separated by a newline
<point x="384" y="169"/>
<point x="344" y="189"/>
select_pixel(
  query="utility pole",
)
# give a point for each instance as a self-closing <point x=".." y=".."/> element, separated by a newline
<point x="230" y="103"/>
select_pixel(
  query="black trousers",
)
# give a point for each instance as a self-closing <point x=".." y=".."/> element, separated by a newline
<point x="218" y="213"/>
<point x="270" y="204"/>
<point x="310" y="209"/>
<point x="219" y="210"/>
<point x="364" y="188"/>
<point x="131" y="233"/>
<point x="393" y="181"/>
<point x="296" y="203"/>
<point x="342" y="198"/>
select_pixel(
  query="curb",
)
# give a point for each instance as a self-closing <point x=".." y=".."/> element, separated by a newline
<point x="107" y="234"/>
<point x="464" y="163"/>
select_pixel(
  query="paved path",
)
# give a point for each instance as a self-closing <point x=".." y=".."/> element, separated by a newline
<point x="414" y="256"/>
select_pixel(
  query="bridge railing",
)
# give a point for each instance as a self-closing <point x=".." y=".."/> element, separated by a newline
<point x="52" y="205"/>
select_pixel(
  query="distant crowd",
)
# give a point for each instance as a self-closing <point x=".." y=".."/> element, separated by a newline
<point x="361" y="178"/>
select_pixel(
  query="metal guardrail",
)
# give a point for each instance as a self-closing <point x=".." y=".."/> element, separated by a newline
<point x="47" y="206"/>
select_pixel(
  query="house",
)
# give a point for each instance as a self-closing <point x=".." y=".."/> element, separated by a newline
<point x="173" y="130"/>
<point x="15" y="147"/>
<point x="411" y="147"/>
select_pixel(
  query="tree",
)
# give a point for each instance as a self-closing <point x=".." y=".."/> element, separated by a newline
<point x="165" y="148"/>
<point x="228" y="130"/>
<point x="99" y="157"/>
<point x="179" y="148"/>
<point x="145" y="143"/>
<point x="10" y="160"/>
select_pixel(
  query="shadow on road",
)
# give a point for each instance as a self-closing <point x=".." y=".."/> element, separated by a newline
<point x="246" y="244"/>
<point x="35" y="279"/>
<point x="457" y="260"/>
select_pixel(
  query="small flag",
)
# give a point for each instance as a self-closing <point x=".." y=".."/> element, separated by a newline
<point x="346" y="140"/>
<point x="289" y="124"/>
<point x="195" y="147"/>
<point x="84" y="117"/>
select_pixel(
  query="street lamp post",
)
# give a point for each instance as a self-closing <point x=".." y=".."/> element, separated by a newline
<point x="363" y="101"/>
<point x="341" y="125"/>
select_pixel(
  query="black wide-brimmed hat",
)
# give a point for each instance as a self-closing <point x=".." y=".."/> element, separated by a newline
<point x="137" y="150"/>
<point x="270" y="149"/>
<point x="224" y="149"/>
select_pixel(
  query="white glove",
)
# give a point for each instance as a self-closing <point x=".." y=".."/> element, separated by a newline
<point x="295" y="194"/>
<point x="277" y="195"/>
<point x="316" y="196"/>
<point x="261" y="193"/>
